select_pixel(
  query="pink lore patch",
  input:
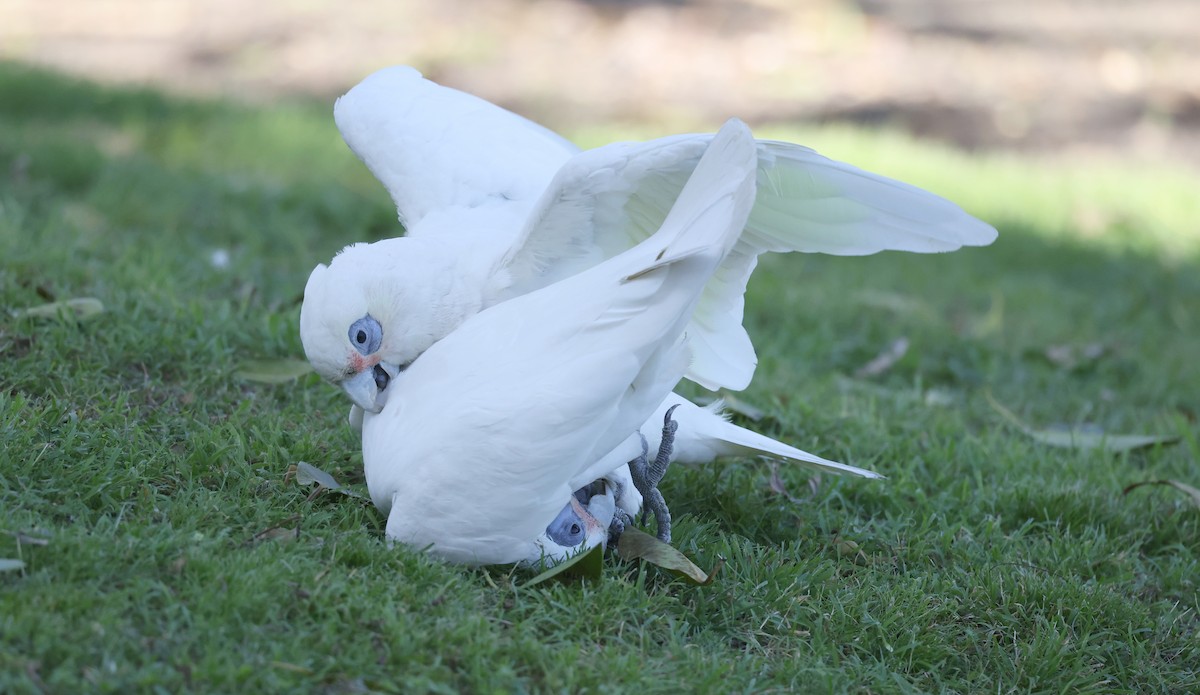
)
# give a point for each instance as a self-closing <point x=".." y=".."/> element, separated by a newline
<point x="359" y="363"/>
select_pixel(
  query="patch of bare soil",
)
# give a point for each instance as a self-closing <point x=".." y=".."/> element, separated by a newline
<point x="1048" y="75"/>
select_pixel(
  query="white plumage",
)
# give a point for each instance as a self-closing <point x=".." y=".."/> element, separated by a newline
<point x="496" y="206"/>
<point x="485" y="437"/>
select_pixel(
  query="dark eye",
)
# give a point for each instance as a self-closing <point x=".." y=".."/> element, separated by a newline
<point x="366" y="334"/>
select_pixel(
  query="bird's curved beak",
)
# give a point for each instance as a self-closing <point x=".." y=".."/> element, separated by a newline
<point x="367" y="388"/>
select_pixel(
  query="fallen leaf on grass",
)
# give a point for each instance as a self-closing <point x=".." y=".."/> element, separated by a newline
<point x="990" y="323"/>
<point x="588" y="565"/>
<point x="884" y="360"/>
<point x="278" y="371"/>
<point x="9" y="565"/>
<point x="1182" y="487"/>
<point x="307" y="474"/>
<point x="1071" y="357"/>
<point x="36" y="537"/>
<point x="1081" y="437"/>
<point x="638" y="545"/>
<point x="845" y="547"/>
<point x="896" y="303"/>
<point x="279" y="533"/>
<point x="78" y="308"/>
<point x="777" y="486"/>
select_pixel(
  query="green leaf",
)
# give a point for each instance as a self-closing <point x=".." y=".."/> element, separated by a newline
<point x="307" y="474"/>
<point x="638" y="545"/>
<point x="588" y="565"/>
<point x="9" y="565"/>
<point x="79" y="308"/>
<point x="1182" y="487"/>
<point x="1076" y="438"/>
<point x="279" y="371"/>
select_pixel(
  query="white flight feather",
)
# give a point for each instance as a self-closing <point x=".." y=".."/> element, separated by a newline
<point x="435" y="148"/>
<point x="460" y="169"/>
<point x="485" y="437"/>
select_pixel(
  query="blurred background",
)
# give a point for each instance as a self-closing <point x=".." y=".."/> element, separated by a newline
<point x="1061" y="77"/>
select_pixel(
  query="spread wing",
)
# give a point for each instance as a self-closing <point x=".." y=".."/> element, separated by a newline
<point x="606" y="200"/>
<point x="551" y="386"/>
<point x="433" y="147"/>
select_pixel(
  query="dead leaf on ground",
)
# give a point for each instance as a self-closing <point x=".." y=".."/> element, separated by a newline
<point x="36" y="537"/>
<point x="279" y="533"/>
<point x="278" y="371"/>
<point x="884" y="360"/>
<point x="308" y="474"/>
<point x="639" y="545"/>
<point x="586" y="565"/>
<point x="846" y="548"/>
<point x="78" y="308"/>
<point x="991" y="323"/>
<point x="1071" y="357"/>
<point x="1188" y="490"/>
<point x="896" y="303"/>
<point x="777" y="485"/>
<point x="1083" y="437"/>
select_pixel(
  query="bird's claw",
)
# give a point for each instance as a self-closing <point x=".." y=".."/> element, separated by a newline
<point x="648" y="474"/>
<point x="617" y="526"/>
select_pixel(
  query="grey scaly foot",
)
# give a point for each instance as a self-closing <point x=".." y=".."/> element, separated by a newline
<point x="621" y="518"/>
<point x="647" y="475"/>
<point x="616" y="527"/>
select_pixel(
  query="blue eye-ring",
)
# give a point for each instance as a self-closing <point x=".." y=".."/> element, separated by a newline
<point x="366" y="334"/>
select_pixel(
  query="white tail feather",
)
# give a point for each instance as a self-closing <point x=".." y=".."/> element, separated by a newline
<point x="704" y="435"/>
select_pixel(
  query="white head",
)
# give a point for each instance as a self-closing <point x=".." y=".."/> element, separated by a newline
<point x="375" y="308"/>
<point x="581" y="525"/>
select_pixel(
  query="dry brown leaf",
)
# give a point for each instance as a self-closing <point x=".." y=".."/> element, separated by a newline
<point x="884" y="360"/>
<point x="1190" y="491"/>
<point x="638" y="545"/>
<point x="1080" y="438"/>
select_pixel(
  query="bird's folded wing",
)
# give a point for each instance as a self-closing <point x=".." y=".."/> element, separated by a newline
<point x="555" y="383"/>
<point x="433" y="147"/>
<point x="606" y="200"/>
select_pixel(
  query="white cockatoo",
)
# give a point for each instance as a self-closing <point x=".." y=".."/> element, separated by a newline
<point x="496" y="206"/>
<point x="486" y="437"/>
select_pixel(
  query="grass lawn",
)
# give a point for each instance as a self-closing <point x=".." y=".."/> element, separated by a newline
<point x="143" y="486"/>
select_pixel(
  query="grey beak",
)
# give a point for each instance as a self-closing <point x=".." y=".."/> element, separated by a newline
<point x="366" y="389"/>
<point x="362" y="390"/>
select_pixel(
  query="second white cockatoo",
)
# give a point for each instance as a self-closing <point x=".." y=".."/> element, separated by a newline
<point x="488" y="435"/>
<point x="496" y="206"/>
